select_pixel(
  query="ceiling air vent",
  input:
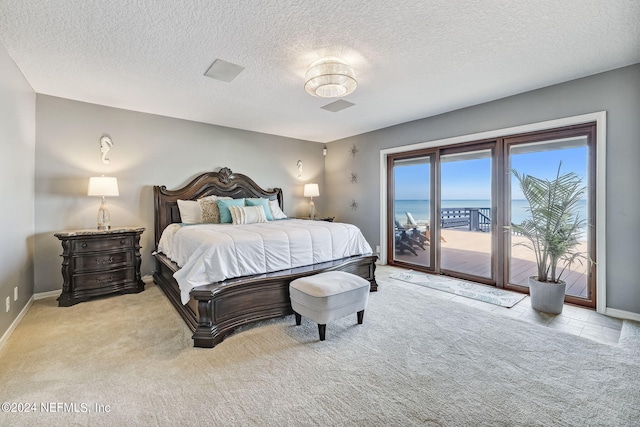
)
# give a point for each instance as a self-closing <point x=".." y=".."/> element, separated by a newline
<point x="338" y="105"/>
<point x="223" y="70"/>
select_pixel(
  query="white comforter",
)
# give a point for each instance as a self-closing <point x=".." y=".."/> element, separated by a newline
<point x="209" y="253"/>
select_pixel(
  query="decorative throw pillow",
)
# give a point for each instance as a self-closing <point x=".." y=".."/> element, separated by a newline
<point x="210" y="211"/>
<point x="276" y="212"/>
<point x="223" y="205"/>
<point x="190" y="212"/>
<point x="247" y="214"/>
<point x="261" y="202"/>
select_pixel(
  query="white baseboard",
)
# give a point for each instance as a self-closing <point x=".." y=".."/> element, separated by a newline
<point x="621" y="314"/>
<point x="16" y="322"/>
<point x="48" y="294"/>
<point x="147" y="279"/>
<point x="23" y="312"/>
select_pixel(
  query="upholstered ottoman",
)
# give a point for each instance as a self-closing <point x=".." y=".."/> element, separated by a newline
<point x="328" y="296"/>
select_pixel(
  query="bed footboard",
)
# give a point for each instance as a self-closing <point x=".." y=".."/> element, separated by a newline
<point x="223" y="306"/>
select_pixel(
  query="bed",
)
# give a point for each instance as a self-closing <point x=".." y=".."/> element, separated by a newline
<point x="215" y="310"/>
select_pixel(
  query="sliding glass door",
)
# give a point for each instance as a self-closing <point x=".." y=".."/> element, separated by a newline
<point x="450" y="208"/>
<point x="543" y="156"/>
<point x="466" y="200"/>
<point x="440" y="207"/>
<point x="411" y="207"/>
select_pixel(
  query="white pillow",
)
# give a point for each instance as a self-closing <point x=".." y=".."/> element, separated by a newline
<point x="276" y="212"/>
<point x="247" y="214"/>
<point x="190" y="211"/>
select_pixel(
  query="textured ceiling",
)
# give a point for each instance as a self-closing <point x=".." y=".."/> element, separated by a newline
<point x="413" y="59"/>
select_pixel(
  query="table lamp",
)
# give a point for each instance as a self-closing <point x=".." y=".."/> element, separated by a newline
<point x="311" y="190"/>
<point x="103" y="186"/>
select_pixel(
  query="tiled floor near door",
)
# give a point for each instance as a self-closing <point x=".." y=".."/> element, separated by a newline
<point x="574" y="320"/>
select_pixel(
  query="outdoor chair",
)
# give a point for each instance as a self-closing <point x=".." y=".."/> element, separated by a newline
<point x="423" y="235"/>
<point x="406" y="239"/>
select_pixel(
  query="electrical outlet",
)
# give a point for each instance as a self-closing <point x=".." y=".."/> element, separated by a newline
<point x="8" y="304"/>
<point x="15" y="293"/>
<point x="377" y="249"/>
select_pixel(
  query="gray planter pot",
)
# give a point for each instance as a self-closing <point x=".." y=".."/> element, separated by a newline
<point x="547" y="297"/>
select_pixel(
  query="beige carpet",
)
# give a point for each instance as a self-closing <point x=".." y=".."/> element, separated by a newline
<point x="415" y="361"/>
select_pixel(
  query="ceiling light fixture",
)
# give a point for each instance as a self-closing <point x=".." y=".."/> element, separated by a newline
<point x="330" y="78"/>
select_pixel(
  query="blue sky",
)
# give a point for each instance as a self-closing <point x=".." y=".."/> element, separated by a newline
<point x="470" y="179"/>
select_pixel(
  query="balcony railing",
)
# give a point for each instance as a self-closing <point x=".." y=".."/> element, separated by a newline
<point x="473" y="219"/>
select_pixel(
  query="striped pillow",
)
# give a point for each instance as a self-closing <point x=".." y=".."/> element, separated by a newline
<point x="247" y="214"/>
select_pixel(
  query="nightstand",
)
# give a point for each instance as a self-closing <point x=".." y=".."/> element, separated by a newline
<point x="99" y="262"/>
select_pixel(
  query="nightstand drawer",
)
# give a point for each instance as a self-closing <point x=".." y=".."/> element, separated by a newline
<point x="103" y="261"/>
<point x="104" y="279"/>
<point x="107" y="243"/>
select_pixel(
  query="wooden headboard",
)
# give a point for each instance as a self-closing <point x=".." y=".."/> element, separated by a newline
<point x="222" y="183"/>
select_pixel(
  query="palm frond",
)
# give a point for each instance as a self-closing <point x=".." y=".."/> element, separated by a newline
<point x="554" y="225"/>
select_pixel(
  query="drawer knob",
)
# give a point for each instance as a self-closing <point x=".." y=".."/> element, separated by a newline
<point x="83" y="245"/>
<point x="104" y="261"/>
<point x="101" y="280"/>
<point x="123" y="241"/>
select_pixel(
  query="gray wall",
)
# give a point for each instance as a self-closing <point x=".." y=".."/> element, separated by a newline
<point x="617" y="92"/>
<point x="17" y="142"/>
<point x="148" y="150"/>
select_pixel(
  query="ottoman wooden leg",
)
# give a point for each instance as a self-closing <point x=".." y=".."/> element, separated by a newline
<point x="360" y="317"/>
<point x="322" y="329"/>
<point x="298" y="319"/>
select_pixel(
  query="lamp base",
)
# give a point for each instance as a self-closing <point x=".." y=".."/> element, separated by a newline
<point x="104" y="217"/>
<point x="312" y="210"/>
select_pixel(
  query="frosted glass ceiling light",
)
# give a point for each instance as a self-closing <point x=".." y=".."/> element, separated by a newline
<point x="330" y="78"/>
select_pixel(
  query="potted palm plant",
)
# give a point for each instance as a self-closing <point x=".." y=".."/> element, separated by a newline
<point x="552" y="232"/>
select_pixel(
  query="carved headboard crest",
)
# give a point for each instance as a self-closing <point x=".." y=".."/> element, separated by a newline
<point x="225" y="175"/>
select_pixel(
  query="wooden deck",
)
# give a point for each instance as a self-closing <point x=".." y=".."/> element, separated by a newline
<point x="470" y="252"/>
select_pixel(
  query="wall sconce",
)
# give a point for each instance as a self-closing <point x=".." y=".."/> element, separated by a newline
<point x="105" y="145"/>
<point x="103" y="186"/>
<point x="324" y="151"/>
<point x="311" y="190"/>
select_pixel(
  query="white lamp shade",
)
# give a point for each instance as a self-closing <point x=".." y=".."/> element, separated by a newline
<point x="311" y="190"/>
<point x="103" y="186"/>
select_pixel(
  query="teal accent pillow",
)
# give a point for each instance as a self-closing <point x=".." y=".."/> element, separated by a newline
<point x="261" y="202"/>
<point x="223" y="206"/>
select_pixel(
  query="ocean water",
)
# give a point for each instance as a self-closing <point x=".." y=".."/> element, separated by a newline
<point x="420" y="208"/>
